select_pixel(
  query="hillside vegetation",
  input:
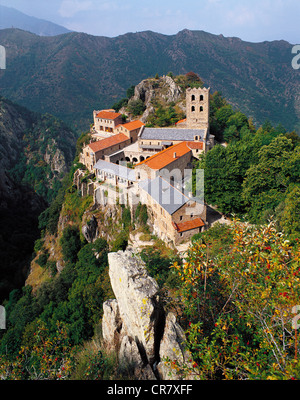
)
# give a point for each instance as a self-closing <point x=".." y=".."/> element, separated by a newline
<point x="36" y="151"/>
<point x="70" y="75"/>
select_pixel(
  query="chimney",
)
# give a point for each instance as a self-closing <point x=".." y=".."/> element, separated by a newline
<point x="174" y="155"/>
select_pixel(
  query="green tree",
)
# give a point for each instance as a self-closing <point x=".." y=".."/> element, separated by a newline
<point x="223" y="172"/>
<point x="290" y="217"/>
<point x="267" y="182"/>
<point x="130" y="91"/>
<point x="223" y="114"/>
<point x="136" y="107"/>
<point x="70" y="243"/>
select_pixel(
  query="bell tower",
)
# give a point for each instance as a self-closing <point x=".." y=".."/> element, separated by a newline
<point x="197" y="108"/>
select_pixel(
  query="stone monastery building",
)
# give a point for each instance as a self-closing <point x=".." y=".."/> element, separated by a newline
<point x="160" y="159"/>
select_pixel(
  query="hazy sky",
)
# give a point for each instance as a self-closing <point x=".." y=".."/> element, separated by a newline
<point x="252" y="20"/>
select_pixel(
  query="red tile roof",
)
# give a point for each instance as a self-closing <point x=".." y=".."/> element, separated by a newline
<point x="108" y="114"/>
<point x="188" y="225"/>
<point x="166" y="156"/>
<point x="195" y="145"/>
<point x="132" y="125"/>
<point x="181" y="121"/>
<point x="108" y="142"/>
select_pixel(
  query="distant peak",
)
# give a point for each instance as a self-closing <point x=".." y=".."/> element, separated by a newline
<point x="185" y="32"/>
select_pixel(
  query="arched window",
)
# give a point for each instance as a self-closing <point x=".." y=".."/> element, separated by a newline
<point x="193" y="97"/>
<point x="201" y="97"/>
<point x="193" y="108"/>
<point x="201" y="108"/>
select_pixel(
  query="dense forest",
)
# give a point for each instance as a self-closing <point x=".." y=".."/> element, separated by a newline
<point x="233" y="295"/>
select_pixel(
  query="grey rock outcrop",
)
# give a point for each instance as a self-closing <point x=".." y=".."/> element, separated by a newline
<point x="56" y="159"/>
<point x="172" y="348"/>
<point x="111" y="324"/>
<point x="150" y="90"/>
<point x="134" y="324"/>
<point x="90" y="230"/>
<point x="138" y="300"/>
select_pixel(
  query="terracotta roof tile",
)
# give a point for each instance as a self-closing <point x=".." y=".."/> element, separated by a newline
<point x="132" y="125"/>
<point x="188" y="225"/>
<point x="108" y="142"/>
<point x="166" y="156"/>
<point x="195" y="145"/>
<point x="180" y="121"/>
<point x="108" y="114"/>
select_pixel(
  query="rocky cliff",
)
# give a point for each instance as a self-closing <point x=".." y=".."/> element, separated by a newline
<point x="154" y="92"/>
<point x="135" y="324"/>
<point x="36" y="149"/>
<point x="35" y="153"/>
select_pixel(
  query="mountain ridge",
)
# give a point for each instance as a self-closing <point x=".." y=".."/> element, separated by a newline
<point x="71" y="74"/>
<point x="10" y="16"/>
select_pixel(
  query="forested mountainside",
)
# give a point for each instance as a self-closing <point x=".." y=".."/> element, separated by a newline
<point x="71" y="74"/>
<point x="236" y="279"/>
<point x="35" y="153"/>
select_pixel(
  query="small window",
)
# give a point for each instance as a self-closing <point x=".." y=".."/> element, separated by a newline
<point x="201" y="97"/>
<point x="201" y="108"/>
<point x="193" y="108"/>
<point x="180" y="218"/>
<point x="193" y="97"/>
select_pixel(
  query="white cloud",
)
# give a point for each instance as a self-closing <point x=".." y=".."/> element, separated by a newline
<point x="69" y="8"/>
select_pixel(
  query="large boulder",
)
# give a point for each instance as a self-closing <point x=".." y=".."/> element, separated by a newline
<point x="134" y="324"/>
<point x="138" y="300"/>
<point x="111" y="325"/>
<point x="172" y="348"/>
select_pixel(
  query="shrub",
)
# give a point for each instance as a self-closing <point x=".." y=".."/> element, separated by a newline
<point x="136" y="107"/>
<point x="70" y="243"/>
<point x="51" y="265"/>
<point x="43" y="258"/>
<point x="141" y="214"/>
<point x="121" y="242"/>
<point x="239" y="304"/>
<point x="126" y="217"/>
<point x="38" y="244"/>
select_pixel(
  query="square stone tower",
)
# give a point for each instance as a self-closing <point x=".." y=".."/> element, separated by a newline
<point x="197" y="108"/>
